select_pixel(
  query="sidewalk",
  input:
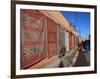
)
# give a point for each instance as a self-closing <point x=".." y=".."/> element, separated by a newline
<point x="70" y="58"/>
<point x="47" y="63"/>
<point x="67" y="61"/>
<point x="55" y="62"/>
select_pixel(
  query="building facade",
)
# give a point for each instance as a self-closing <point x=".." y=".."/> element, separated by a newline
<point x="43" y="35"/>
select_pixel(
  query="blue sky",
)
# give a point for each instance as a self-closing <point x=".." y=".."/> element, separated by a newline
<point x="81" y="20"/>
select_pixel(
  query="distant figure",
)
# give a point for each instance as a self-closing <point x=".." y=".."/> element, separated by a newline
<point x="80" y="47"/>
<point x="62" y="52"/>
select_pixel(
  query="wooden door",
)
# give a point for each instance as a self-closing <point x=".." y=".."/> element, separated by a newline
<point x="52" y="37"/>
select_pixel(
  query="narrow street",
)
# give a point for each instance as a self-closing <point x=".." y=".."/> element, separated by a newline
<point x="72" y="59"/>
<point x="82" y="60"/>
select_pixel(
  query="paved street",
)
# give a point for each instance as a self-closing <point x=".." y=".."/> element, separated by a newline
<point x="71" y="59"/>
<point x="81" y="60"/>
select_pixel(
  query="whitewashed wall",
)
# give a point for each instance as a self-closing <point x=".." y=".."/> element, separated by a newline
<point x="67" y="40"/>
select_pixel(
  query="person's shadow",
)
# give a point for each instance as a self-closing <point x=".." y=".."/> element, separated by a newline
<point x="61" y="64"/>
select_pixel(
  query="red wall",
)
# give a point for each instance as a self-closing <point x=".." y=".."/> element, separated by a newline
<point x="32" y="37"/>
<point x="52" y="37"/>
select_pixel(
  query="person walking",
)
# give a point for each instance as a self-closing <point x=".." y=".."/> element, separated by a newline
<point x="62" y="52"/>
